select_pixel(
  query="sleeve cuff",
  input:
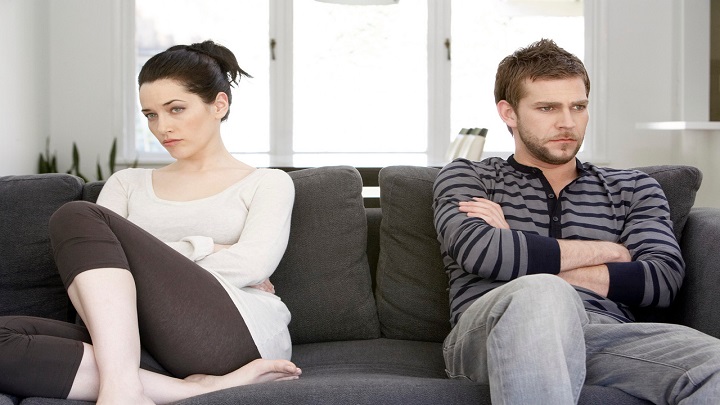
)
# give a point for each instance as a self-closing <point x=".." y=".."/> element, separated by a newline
<point x="543" y="254"/>
<point x="627" y="282"/>
<point x="202" y="246"/>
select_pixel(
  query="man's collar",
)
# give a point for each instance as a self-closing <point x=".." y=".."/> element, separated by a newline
<point x="529" y="169"/>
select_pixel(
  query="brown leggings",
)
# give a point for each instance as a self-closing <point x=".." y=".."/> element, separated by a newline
<point x="187" y="321"/>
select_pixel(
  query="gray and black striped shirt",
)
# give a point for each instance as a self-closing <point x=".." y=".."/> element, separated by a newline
<point x="622" y="206"/>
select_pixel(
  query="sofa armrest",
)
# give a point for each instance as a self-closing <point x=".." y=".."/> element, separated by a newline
<point x="698" y="305"/>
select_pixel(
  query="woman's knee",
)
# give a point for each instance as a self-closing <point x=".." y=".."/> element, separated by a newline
<point x="67" y="215"/>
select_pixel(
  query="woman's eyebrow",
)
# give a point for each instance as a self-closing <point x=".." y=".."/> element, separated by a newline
<point x="164" y="104"/>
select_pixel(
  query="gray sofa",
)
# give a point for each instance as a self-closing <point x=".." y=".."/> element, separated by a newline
<point x="365" y="286"/>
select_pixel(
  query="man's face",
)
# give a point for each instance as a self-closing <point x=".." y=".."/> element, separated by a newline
<point x="550" y="121"/>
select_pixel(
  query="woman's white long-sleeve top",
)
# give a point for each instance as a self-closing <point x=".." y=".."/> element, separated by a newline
<point x="252" y="215"/>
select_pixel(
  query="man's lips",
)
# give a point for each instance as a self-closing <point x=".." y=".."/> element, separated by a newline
<point x="564" y="139"/>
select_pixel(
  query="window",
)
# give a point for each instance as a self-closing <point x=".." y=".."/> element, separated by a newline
<point x="359" y="85"/>
<point x="359" y="77"/>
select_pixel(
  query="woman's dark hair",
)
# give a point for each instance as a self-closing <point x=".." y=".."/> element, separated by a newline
<point x="205" y="69"/>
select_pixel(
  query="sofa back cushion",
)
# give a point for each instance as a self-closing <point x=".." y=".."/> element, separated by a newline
<point x="680" y="185"/>
<point x="29" y="281"/>
<point x="324" y="277"/>
<point x="411" y="290"/>
<point x="91" y="191"/>
<point x="411" y="283"/>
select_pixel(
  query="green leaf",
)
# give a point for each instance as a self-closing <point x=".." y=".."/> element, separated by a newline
<point x="42" y="166"/>
<point x="99" y="170"/>
<point x="76" y="157"/>
<point x="113" y="154"/>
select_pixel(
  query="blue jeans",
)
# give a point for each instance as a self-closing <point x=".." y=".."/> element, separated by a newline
<point x="533" y="342"/>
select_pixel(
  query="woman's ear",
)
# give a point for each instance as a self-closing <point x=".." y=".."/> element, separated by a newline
<point x="507" y="113"/>
<point x="221" y="104"/>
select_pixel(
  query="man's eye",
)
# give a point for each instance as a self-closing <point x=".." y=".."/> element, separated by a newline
<point x="580" y="107"/>
<point x="545" y="109"/>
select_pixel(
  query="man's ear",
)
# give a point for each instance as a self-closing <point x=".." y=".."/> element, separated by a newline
<point x="507" y="113"/>
<point x="221" y="104"/>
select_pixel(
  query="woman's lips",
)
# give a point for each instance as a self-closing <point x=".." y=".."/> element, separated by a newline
<point x="171" y="142"/>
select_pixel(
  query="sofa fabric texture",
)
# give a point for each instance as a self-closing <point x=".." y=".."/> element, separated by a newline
<point x="364" y="331"/>
<point x="411" y="281"/>
<point x="29" y="281"/>
<point x="328" y="294"/>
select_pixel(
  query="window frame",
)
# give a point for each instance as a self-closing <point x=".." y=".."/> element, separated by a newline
<point x="439" y="79"/>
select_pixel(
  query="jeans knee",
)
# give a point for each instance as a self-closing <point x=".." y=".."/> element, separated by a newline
<point x="545" y="287"/>
<point x="546" y="296"/>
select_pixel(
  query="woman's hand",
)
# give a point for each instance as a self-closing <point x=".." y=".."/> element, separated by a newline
<point x="220" y="247"/>
<point x="266" y="286"/>
<point x="485" y="209"/>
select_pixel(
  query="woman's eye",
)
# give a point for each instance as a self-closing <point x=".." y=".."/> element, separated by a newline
<point x="177" y="109"/>
<point x="150" y="115"/>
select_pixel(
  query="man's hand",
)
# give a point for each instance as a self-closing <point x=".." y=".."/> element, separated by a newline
<point x="486" y="210"/>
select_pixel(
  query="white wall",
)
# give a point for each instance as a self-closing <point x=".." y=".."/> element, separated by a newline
<point x="658" y="70"/>
<point x="85" y="80"/>
<point x="24" y="98"/>
<point x="651" y="75"/>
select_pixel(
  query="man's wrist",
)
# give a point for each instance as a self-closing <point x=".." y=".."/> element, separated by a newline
<point x="578" y="254"/>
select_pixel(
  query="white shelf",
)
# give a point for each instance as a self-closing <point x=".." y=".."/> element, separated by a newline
<point x="680" y="125"/>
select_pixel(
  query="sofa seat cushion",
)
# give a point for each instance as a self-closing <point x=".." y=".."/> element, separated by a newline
<point x="29" y="281"/>
<point x="355" y="389"/>
<point x="377" y="389"/>
<point x="375" y="356"/>
<point x="366" y="389"/>
<point x="324" y="277"/>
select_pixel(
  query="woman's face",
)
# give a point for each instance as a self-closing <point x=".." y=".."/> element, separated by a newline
<point x="180" y="120"/>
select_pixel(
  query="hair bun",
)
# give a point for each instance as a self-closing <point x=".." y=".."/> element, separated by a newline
<point x="223" y="56"/>
<point x="198" y="49"/>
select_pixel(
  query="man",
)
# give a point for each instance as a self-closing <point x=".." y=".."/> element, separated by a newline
<point x="547" y="255"/>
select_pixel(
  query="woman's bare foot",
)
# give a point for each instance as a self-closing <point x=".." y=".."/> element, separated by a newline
<point x="257" y="371"/>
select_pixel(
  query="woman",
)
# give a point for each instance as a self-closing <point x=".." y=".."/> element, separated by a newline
<point x="176" y="259"/>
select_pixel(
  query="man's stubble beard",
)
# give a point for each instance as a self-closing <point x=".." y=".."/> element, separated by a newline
<point x="542" y="153"/>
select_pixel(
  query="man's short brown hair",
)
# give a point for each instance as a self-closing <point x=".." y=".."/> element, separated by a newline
<point x="540" y="60"/>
